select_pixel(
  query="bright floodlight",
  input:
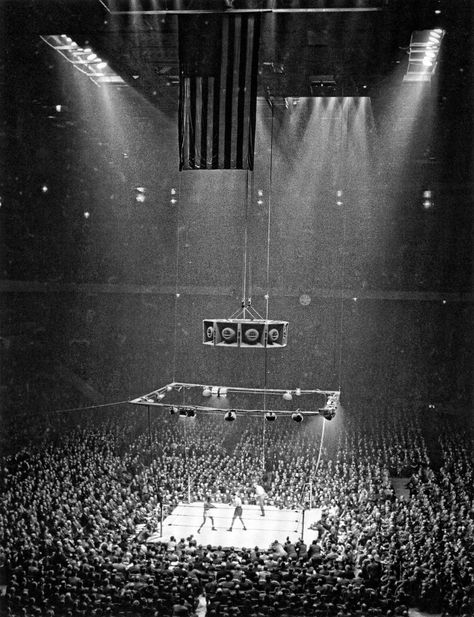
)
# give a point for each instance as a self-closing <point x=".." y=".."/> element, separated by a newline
<point x="328" y="414"/>
<point x="423" y="55"/>
<point x="84" y="60"/>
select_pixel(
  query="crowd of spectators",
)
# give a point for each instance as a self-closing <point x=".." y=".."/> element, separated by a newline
<point x="71" y="503"/>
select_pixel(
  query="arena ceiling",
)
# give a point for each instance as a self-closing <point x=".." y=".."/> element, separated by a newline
<point x="358" y="44"/>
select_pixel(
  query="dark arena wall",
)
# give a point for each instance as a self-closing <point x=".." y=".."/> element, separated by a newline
<point x="124" y="345"/>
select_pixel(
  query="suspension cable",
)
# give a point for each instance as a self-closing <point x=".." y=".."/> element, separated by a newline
<point x="176" y="294"/>
<point x="269" y="221"/>
<point x="246" y="237"/>
<point x="341" y="307"/>
<point x="267" y="281"/>
<point x="320" y="447"/>
<point x="343" y="137"/>
<point x="88" y="407"/>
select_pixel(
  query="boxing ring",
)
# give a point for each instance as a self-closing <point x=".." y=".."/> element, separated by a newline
<point x="277" y="524"/>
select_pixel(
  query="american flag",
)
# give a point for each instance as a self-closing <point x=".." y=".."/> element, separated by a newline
<point x="218" y="90"/>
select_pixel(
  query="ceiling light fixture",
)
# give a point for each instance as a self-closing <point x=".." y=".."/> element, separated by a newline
<point x="84" y="60"/>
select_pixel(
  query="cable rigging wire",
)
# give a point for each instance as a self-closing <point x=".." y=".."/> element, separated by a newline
<point x="342" y="141"/>
<point x="246" y="300"/>
<point x="267" y="281"/>
<point x="89" y="407"/>
<point x="341" y="308"/>
<point x="320" y="447"/>
<point x="246" y="235"/>
<point x="176" y="294"/>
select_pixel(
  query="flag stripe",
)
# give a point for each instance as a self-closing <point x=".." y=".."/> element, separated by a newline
<point x="227" y="69"/>
<point x="210" y="122"/>
<point x="217" y="98"/>
<point x="246" y="141"/>
<point x="203" y="135"/>
<point x="186" y="130"/>
<point x="215" y="123"/>
<point x="192" y="124"/>
<point x="182" y="123"/>
<point x="236" y="71"/>
<point x="243" y="77"/>
<point x="198" y="123"/>
<point x="253" y="95"/>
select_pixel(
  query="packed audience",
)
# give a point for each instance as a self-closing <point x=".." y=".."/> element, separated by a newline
<point x="72" y="503"/>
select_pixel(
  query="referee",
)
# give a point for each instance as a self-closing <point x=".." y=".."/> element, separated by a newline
<point x="260" y="495"/>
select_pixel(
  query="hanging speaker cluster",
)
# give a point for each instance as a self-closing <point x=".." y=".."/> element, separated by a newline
<point x="245" y="333"/>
